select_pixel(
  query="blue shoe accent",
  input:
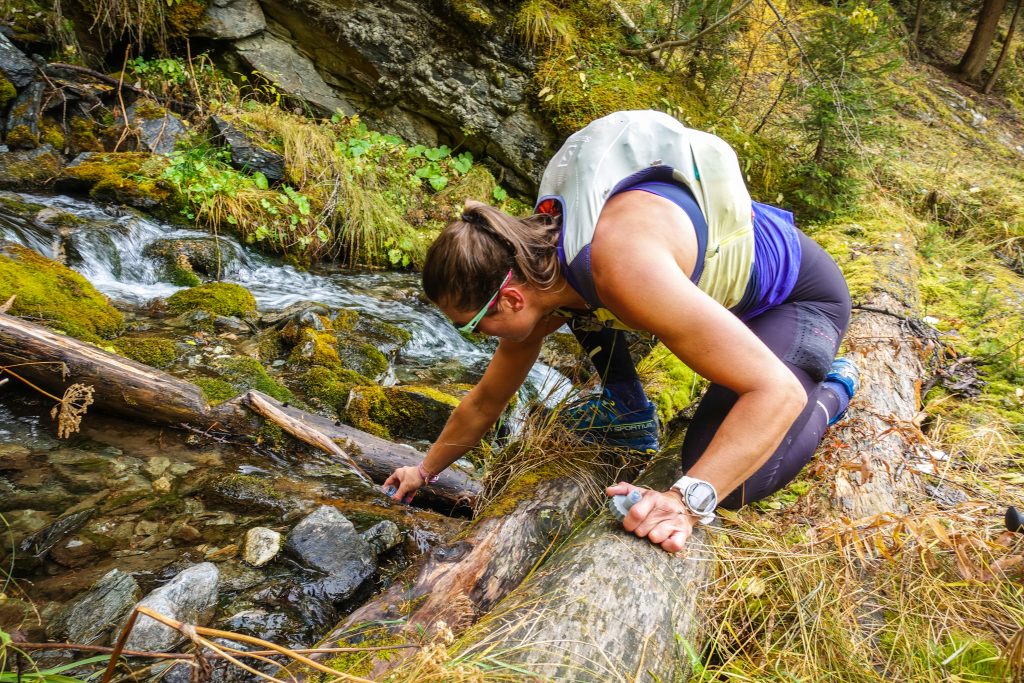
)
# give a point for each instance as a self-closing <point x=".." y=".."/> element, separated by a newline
<point x="845" y="373"/>
<point x="601" y="420"/>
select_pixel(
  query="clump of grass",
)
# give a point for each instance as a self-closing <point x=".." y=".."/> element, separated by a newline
<point x="540" y="24"/>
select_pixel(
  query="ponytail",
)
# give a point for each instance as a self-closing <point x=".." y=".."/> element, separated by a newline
<point x="468" y="261"/>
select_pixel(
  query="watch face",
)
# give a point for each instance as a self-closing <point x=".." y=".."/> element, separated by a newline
<point x="701" y="497"/>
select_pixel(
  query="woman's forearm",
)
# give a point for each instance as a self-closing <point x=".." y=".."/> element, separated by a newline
<point x="749" y="435"/>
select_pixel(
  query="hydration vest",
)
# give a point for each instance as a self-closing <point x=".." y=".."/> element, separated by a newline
<point x="627" y="147"/>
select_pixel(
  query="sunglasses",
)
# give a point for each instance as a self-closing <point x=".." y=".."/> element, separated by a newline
<point x="469" y="327"/>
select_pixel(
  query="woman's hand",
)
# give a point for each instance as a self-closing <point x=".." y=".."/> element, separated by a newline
<point x="661" y="518"/>
<point x="407" y="481"/>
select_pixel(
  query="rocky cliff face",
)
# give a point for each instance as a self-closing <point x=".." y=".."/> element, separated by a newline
<point x="431" y="72"/>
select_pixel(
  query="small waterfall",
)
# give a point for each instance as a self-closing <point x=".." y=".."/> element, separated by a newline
<point x="108" y="247"/>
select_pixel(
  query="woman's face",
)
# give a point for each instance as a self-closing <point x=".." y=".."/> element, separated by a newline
<point x="513" y="316"/>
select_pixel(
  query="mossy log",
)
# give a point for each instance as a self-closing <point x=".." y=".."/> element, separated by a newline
<point x="890" y="345"/>
<point x="458" y="582"/>
<point x="605" y="603"/>
<point x="130" y="389"/>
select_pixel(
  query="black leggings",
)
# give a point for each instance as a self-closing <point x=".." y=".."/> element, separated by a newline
<point x="804" y="332"/>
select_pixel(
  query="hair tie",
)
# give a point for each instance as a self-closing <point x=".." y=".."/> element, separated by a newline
<point x="478" y="221"/>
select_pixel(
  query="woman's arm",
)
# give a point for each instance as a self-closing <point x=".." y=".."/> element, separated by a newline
<point x="639" y="277"/>
<point x="478" y="411"/>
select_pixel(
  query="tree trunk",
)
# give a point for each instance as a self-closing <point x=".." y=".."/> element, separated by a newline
<point x="918" y="15"/>
<point x="461" y="581"/>
<point x="124" y="387"/>
<point x="974" y="58"/>
<point x="1005" y="51"/>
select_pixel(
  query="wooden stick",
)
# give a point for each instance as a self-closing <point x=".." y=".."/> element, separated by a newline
<point x="301" y="431"/>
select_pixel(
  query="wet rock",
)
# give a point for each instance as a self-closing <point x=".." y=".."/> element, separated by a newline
<point x="383" y="536"/>
<point x="326" y="541"/>
<point x="231" y="20"/>
<point x="246" y="154"/>
<point x="26" y="169"/>
<point x="77" y="551"/>
<point x="92" y="617"/>
<point x="39" y="544"/>
<point x="14" y="65"/>
<point x="291" y="72"/>
<point x="190" y="597"/>
<point x="22" y="131"/>
<point x="51" y="497"/>
<point x="261" y="546"/>
<point x="157" y="465"/>
<point x="185" y="532"/>
<point x="236" y="577"/>
<point x="271" y="626"/>
<point x="229" y="323"/>
<point x="205" y="256"/>
<point x="293" y="312"/>
<point x="247" y="493"/>
<point x="157" y="128"/>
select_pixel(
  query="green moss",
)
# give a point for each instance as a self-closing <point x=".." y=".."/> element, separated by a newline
<point x="216" y="390"/>
<point x="270" y="345"/>
<point x="218" y="298"/>
<point x="271" y="434"/>
<point x="362" y="663"/>
<point x="369" y="410"/>
<point x="473" y="14"/>
<point x="671" y="385"/>
<point x="244" y="373"/>
<point x="317" y="348"/>
<point x="55" y="294"/>
<point x="415" y="412"/>
<point x="184" y="16"/>
<point x="82" y="136"/>
<point x="159" y="353"/>
<point x="331" y="387"/>
<point x="126" y="178"/>
<point x="22" y="137"/>
<point x="7" y="91"/>
<point x="364" y="358"/>
<point x="51" y="134"/>
<point x="148" y="109"/>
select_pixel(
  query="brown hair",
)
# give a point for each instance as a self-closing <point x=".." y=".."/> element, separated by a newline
<point x="469" y="260"/>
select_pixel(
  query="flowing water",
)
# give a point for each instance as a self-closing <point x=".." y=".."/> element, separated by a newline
<point x="160" y="496"/>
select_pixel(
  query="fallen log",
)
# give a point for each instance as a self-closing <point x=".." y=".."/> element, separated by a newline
<point x="464" y="579"/>
<point x="130" y="389"/>
<point x="607" y="606"/>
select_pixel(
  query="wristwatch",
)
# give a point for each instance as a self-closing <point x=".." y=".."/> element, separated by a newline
<point x="699" y="497"/>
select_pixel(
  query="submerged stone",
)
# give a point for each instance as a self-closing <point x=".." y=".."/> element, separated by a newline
<point x="92" y="617"/>
<point x="383" y="536"/>
<point x="190" y="597"/>
<point x="261" y="545"/>
<point x="326" y="541"/>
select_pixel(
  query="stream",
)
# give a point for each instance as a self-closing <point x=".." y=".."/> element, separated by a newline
<point x="150" y="501"/>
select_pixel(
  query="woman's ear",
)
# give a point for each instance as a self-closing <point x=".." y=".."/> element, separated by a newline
<point x="514" y="297"/>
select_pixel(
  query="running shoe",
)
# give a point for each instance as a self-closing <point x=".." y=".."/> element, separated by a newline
<point x="602" y="420"/>
<point x="844" y="372"/>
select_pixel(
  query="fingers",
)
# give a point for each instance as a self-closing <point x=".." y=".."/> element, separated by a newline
<point x="620" y="489"/>
<point x="675" y="542"/>
<point x="659" y="518"/>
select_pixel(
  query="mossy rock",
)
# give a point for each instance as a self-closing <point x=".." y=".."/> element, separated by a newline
<point x="670" y="384"/>
<point x="368" y="409"/>
<point x="194" y="255"/>
<point x="247" y="494"/>
<point x="331" y="388"/>
<point x="29" y="169"/>
<point x="215" y="390"/>
<point x="123" y="178"/>
<point x="22" y="137"/>
<point x="363" y="357"/>
<point x="317" y="349"/>
<point x="153" y="351"/>
<point x="55" y="294"/>
<point x="218" y="298"/>
<point x="243" y="373"/>
<point x="83" y="135"/>
<point x="417" y="412"/>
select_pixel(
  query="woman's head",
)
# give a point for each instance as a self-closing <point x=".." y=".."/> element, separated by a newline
<point x="468" y="262"/>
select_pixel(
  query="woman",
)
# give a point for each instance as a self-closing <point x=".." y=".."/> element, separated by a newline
<point x="644" y="224"/>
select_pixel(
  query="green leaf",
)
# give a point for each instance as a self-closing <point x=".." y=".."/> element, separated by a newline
<point x="499" y="193"/>
<point x="260" y="180"/>
<point x="437" y="153"/>
<point x="463" y="162"/>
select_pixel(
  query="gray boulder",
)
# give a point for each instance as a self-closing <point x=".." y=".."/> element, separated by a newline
<point x="430" y="73"/>
<point x="231" y="20"/>
<point x="326" y="541"/>
<point x="292" y="72"/>
<point x="245" y="154"/>
<point x="92" y="617"/>
<point x="14" y="65"/>
<point x="190" y="597"/>
<point x="157" y="129"/>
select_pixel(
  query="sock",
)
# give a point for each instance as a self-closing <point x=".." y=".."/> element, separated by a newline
<point x="630" y="394"/>
<point x="842" y="399"/>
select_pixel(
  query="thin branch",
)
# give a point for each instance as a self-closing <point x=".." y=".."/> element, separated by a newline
<point x="689" y="39"/>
